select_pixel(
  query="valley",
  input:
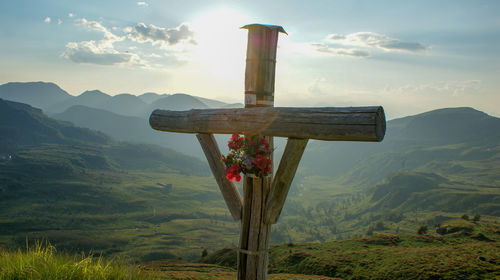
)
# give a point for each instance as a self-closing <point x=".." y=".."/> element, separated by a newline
<point x="148" y="196"/>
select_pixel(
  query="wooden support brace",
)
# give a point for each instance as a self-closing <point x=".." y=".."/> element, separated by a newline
<point x="283" y="179"/>
<point x="227" y="188"/>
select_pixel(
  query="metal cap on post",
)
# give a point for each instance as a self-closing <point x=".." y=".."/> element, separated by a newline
<point x="261" y="64"/>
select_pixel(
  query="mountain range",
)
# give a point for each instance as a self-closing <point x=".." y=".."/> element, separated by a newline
<point x="52" y="99"/>
<point x="123" y="116"/>
<point x="439" y="164"/>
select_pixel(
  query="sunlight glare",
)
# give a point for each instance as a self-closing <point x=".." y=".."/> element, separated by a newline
<point x="221" y="43"/>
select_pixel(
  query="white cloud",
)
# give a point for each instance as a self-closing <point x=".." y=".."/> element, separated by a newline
<point x="324" y="48"/>
<point x="90" y="52"/>
<point x="47" y="20"/>
<point x="159" y="35"/>
<point x="97" y="26"/>
<point x="377" y="40"/>
<point x="100" y="52"/>
<point x="109" y="37"/>
<point x="362" y="44"/>
<point x="71" y="15"/>
<point x="104" y="51"/>
<point x="142" y="3"/>
<point x="59" y="21"/>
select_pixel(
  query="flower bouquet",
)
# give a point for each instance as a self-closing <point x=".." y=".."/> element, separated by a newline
<point x="247" y="157"/>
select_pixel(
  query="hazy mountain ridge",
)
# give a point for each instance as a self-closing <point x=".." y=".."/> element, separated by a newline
<point x="410" y="143"/>
<point x="129" y="128"/>
<point x="52" y="99"/>
<point x="21" y="124"/>
<point x="23" y="127"/>
<point x="90" y="98"/>
<point x="37" y="94"/>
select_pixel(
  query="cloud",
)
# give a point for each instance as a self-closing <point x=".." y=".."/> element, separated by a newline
<point x="362" y="44"/>
<point x="105" y="52"/>
<point x="142" y="3"/>
<point x="97" y="26"/>
<point x="100" y="52"/>
<point x="90" y="52"/>
<point x="71" y="15"/>
<point x="377" y="40"/>
<point x="59" y="21"/>
<point x="324" y="48"/>
<point x="158" y="35"/>
<point x="47" y="20"/>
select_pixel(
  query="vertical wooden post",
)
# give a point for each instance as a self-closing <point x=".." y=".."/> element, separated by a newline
<point x="259" y="92"/>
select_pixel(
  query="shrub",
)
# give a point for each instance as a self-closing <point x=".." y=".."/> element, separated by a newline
<point x="422" y="230"/>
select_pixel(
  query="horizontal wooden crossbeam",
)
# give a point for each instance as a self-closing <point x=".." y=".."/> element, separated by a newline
<point x="328" y="123"/>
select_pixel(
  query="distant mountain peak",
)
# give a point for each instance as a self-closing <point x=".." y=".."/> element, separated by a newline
<point x="125" y="95"/>
<point x="453" y="111"/>
<point x="93" y="93"/>
<point x="37" y="94"/>
<point x="150" y="97"/>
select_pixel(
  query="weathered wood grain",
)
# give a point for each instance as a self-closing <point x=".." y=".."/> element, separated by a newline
<point x="283" y="179"/>
<point x="255" y="228"/>
<point x="327" y="123"/>
<point x="261" y="64"/>
<point x="245" y="226"/>
<point x="264" y="234"/>
<point x="227" y="188"/>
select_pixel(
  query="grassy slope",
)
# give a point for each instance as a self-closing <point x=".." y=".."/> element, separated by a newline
<point x="121" y="212"/>
<point x="82" y="190"/>
<point x="469" y="251"/>
<point x="105" y="196"/>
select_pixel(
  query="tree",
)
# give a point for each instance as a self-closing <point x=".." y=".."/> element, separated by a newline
<point x="422" y="230"/>
<point x="465" y="217"/>
<point x="204" y="253"/>
<point x="476" y="218"/>
<point x="379" y="226"/>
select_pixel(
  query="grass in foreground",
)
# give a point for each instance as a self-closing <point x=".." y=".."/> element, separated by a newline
<point x="42" y="262"/>
<point x="461" y="250"/>
<point x="195" y="271"/>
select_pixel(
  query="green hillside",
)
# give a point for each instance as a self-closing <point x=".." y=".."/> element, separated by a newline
<point x="409" y="142"/>
<point x="436" y="165"/>
<point x="127" y="128"/>
<point x="461" y="250"/>
<point x="82" y="190"/>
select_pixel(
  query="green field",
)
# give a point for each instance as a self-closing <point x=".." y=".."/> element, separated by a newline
<point x="462" y="250"/>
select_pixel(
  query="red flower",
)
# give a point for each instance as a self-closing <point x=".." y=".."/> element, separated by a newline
<point x="236" y="142"/>
<point x="263" y="147"/>
<point x="233" y="172"/>
<point x="262" y="163"/>
<point x="249" y="157"/>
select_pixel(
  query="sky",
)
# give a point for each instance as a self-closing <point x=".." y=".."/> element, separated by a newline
<point x="409" y="57"/>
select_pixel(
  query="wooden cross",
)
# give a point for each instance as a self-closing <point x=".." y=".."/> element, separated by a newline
<point x="263" y="197"/>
